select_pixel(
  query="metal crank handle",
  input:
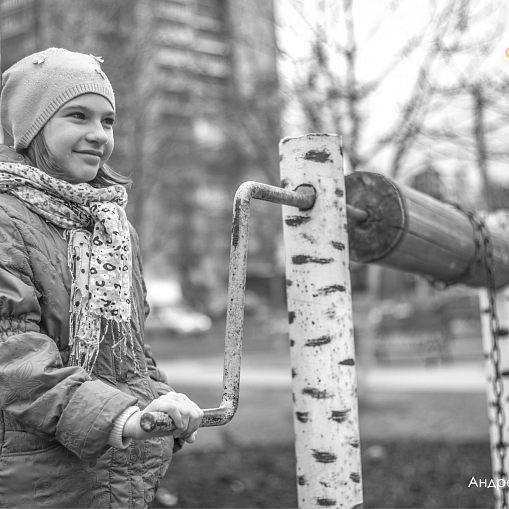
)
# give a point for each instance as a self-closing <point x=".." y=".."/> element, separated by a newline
<point x="157" y="421"/>
<point x="161" y="421"/>
<point x="303" y="198"/>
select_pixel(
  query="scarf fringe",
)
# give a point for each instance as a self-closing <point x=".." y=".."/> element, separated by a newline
<point x="85" y="340"/>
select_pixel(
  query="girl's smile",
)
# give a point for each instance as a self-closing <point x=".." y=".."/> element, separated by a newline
<point x="80" y="137"/>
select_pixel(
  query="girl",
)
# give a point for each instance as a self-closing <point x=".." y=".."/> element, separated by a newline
<point x="75" y="376"/>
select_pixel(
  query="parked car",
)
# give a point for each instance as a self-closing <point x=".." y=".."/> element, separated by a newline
<point x="169" y="311"/>
<point x="178" y="318"/>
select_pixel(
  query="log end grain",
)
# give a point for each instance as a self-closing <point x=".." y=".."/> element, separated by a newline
<point x="380" y="234"/>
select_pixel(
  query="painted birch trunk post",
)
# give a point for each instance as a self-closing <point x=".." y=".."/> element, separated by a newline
<point x="321" y="326"/>
<point x="410" y="231"/>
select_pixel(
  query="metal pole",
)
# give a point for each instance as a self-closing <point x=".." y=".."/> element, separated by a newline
<point x="321" y="326"/>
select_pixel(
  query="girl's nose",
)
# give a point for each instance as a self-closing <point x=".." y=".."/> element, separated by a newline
<point x="97" y="134"/>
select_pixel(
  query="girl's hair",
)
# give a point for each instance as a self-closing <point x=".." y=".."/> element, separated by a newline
<point x="39" y="155"/>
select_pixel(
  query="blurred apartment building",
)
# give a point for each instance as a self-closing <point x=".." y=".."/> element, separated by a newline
<point x="198" y="114"/>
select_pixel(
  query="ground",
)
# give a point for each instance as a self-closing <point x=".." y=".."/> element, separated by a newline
<point x="404" y="474"/>
<point x="419" y="449"/>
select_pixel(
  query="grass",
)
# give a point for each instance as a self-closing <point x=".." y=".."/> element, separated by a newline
<point x="404" y="474"/>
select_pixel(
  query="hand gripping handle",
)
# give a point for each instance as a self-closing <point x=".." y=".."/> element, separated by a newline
<point x="161" y="421"/>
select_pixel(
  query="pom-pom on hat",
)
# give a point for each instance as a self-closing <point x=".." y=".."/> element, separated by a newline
<point x="34" y="89"/>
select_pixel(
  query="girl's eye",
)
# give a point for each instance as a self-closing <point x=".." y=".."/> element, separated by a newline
<point x="81" y="116"/>
<point x="109" y="121"/>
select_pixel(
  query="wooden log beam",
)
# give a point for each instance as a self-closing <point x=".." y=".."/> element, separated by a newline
<point x="413" y="232"/>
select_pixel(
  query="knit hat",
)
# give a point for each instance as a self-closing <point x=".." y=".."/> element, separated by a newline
<point x="34" y="89"/>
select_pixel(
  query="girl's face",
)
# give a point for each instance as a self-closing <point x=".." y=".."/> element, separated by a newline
<point x="79" y="137"/>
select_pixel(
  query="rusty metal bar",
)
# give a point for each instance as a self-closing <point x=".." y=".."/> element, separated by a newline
<point x="324" y="384"/>
<point x="356" y="214"/>
<point x="302" y="198"/>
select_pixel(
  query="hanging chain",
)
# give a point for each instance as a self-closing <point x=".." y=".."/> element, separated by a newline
<point x="484" y="253"/>
<point x="498" y="385"/>
<point x="483" y="243"/>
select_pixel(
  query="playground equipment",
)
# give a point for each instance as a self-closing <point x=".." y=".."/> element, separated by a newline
<point x="320" y="316"/>
<point x="319" y="301"/>
<point x="387" y="224"/>
<point x="410" y="231"/>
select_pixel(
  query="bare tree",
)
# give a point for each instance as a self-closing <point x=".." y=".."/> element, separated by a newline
<point x="332" y="96"/>
<point x="468" y="112"/>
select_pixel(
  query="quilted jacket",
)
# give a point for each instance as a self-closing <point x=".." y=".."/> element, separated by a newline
<point x="55" y="420"/>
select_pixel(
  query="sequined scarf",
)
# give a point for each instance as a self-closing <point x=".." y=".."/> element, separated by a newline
<point x="99" y="254"/>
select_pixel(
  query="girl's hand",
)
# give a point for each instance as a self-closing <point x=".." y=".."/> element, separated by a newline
<point x="184" y="412"/>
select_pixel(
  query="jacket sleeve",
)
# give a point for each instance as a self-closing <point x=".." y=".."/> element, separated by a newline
<point x="50" y="400"/>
